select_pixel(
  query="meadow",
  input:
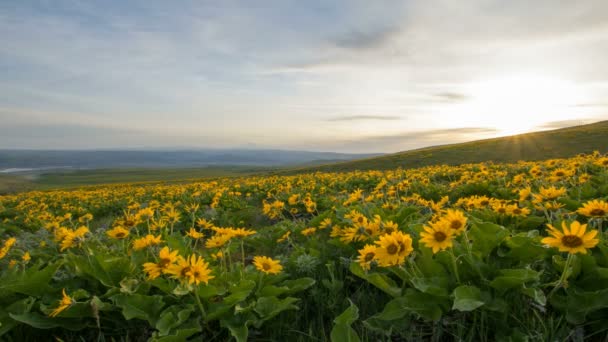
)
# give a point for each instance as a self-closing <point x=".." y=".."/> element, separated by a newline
<point x="474" y="252"/>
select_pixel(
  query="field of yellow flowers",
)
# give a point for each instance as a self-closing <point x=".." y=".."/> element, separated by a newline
<point x="477" y="252"/>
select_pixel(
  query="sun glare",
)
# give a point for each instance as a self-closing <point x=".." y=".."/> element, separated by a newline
<point x="517" y="104"/>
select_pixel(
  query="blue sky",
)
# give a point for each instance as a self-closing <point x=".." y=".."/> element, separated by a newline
<point x="349" y="76"/>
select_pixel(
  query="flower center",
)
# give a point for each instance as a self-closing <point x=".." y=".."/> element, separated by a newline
<point x="572" y="241"/>
<point x="266" y="267"/>
<point x="516" y="211"/>
<point x="560" y="174"/>
<point x="185" y="271"/>
<point x="120" y="235"/>
<point x="164" y="262"/>
<point x="392" y="249"/>
<point x="456" y="224"/>
<point x="597" y="212"/>
<point x="369" y="256"/>
<point x="440" y="236"/>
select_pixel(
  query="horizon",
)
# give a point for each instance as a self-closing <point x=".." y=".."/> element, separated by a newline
<point x="341" y="77"/>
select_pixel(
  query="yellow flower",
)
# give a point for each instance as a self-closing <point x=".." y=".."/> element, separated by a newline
<point x="515" y="210"/>
<point x="118" y="233"/>
<point x="241" y="232"/>
<point x="166" y="259"/>
<point x="192" y="270"/>
<point x="64" y="303"/>
<point x="7" y="247"/>
<point x="437" y="236"/>
<point x="552" y="192"/>
<point x="73" y="238"/>
<point x="267" y="265"/>
<point x="194" y="234"/>
<point x="146" y="241"/>
<point x="26" y="257"/>
<point x="455" y="220"/>
<point x="573" y="240"/>
<point x="595" y="208"/>
<point x="393" y="248"/>
<point x="367" y="255"/>
<point x="218" y="240"/>
<point x="308" y="231"/>
<point x="284" y="237"/>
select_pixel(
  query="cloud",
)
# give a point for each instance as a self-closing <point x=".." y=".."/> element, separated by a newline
<point x="450" y="97"/>
<point x="417" y="139"/>
<point x="564" y="123"/>
<point x="359" y="39"/>
<point x="364" y="117"/>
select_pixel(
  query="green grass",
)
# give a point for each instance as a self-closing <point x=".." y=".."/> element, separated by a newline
<point x="80" y="178"/>
<point x="560" y="143"/>
<point x="11" y="183"/>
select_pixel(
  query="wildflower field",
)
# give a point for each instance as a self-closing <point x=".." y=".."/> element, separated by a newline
<point x="477" y="252"/>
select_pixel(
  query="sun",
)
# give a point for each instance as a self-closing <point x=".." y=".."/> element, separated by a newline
<point x="517" y="104"/>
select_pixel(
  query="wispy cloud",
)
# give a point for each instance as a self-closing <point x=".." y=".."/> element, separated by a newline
<point x="364" y="118"/>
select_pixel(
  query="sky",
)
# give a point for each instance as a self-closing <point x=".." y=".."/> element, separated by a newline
<point x="343" y="75"/>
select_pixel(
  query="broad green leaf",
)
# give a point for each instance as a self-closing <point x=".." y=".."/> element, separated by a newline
<point x="38" y="321"/>
<point x="537" y="294"/>
<point x="342" y="330"/>
<point x="379" y="280"/>
<point x="467" y="298"/>
<point x="172" y="318"/>
<point x="33" y="282"/>
<point x="412" y="302"/>
<point x="511" y="278"/>
<point x="139" y="306"/>
<point x="486" y="236"/>
<point x="268" y="307"/>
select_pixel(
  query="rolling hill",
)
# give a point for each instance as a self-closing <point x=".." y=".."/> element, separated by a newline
<point x="559" y="143"/>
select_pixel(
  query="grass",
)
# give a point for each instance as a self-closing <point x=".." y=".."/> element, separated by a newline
<point x="80" y="178"/>
<point x="560" y="143"/>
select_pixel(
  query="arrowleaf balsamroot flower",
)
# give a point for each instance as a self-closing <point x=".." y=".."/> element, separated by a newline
<point x="595" y="208"/>
<point x="64" y="303"/>
<point x="572" y="240"/>
<point x="194" y="269"/>
<point x="267" y="265"/>
<point x="166" y="259"/>
<point x="367" y="255"/>
<point x="118" y="233"/>
<point x="393" y="249"/>
<point x="437" y="236"/>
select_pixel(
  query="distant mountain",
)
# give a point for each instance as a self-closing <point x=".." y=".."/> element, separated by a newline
<point x="559" y="143"/>
<point x="42" y="159"/>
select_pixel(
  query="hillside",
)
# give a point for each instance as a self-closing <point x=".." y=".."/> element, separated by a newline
<point x="559" y="143"/>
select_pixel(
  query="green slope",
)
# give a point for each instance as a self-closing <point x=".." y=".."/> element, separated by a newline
<point x="559" y="143"/>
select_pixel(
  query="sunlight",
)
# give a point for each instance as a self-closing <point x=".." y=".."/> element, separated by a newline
<point x="517" y="104"/>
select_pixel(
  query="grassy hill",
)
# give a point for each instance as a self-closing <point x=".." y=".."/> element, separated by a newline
<point x="78" y="178"/>
<point x="559" y="143"/>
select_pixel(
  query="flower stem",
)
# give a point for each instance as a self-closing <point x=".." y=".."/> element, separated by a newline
<point x="564" y="277"/>
<point x="200" y="304"/>
<point x="455" y="266"/>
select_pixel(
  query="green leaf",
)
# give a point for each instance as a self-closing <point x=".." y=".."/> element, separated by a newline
<point x="33" y="282"/>
<point x="268" y="307"/>
<point x="38" y="321"/>
<point x="379" y="280"/>
<point x="19" y="307"/>
<point x="486" y="236"/>
<point x="181" y="334"/>
<point x="172" y="318"/>
<point x="537" y="294"/>
<point x="238" y="293"/>
<point x="139" y="306"/>
<point x="467" y="298"/>
<point x="342" y="330"/>
<point x="107" y="269"/>
<point x="412" y="302"/>
<point x="511" y="278"/>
